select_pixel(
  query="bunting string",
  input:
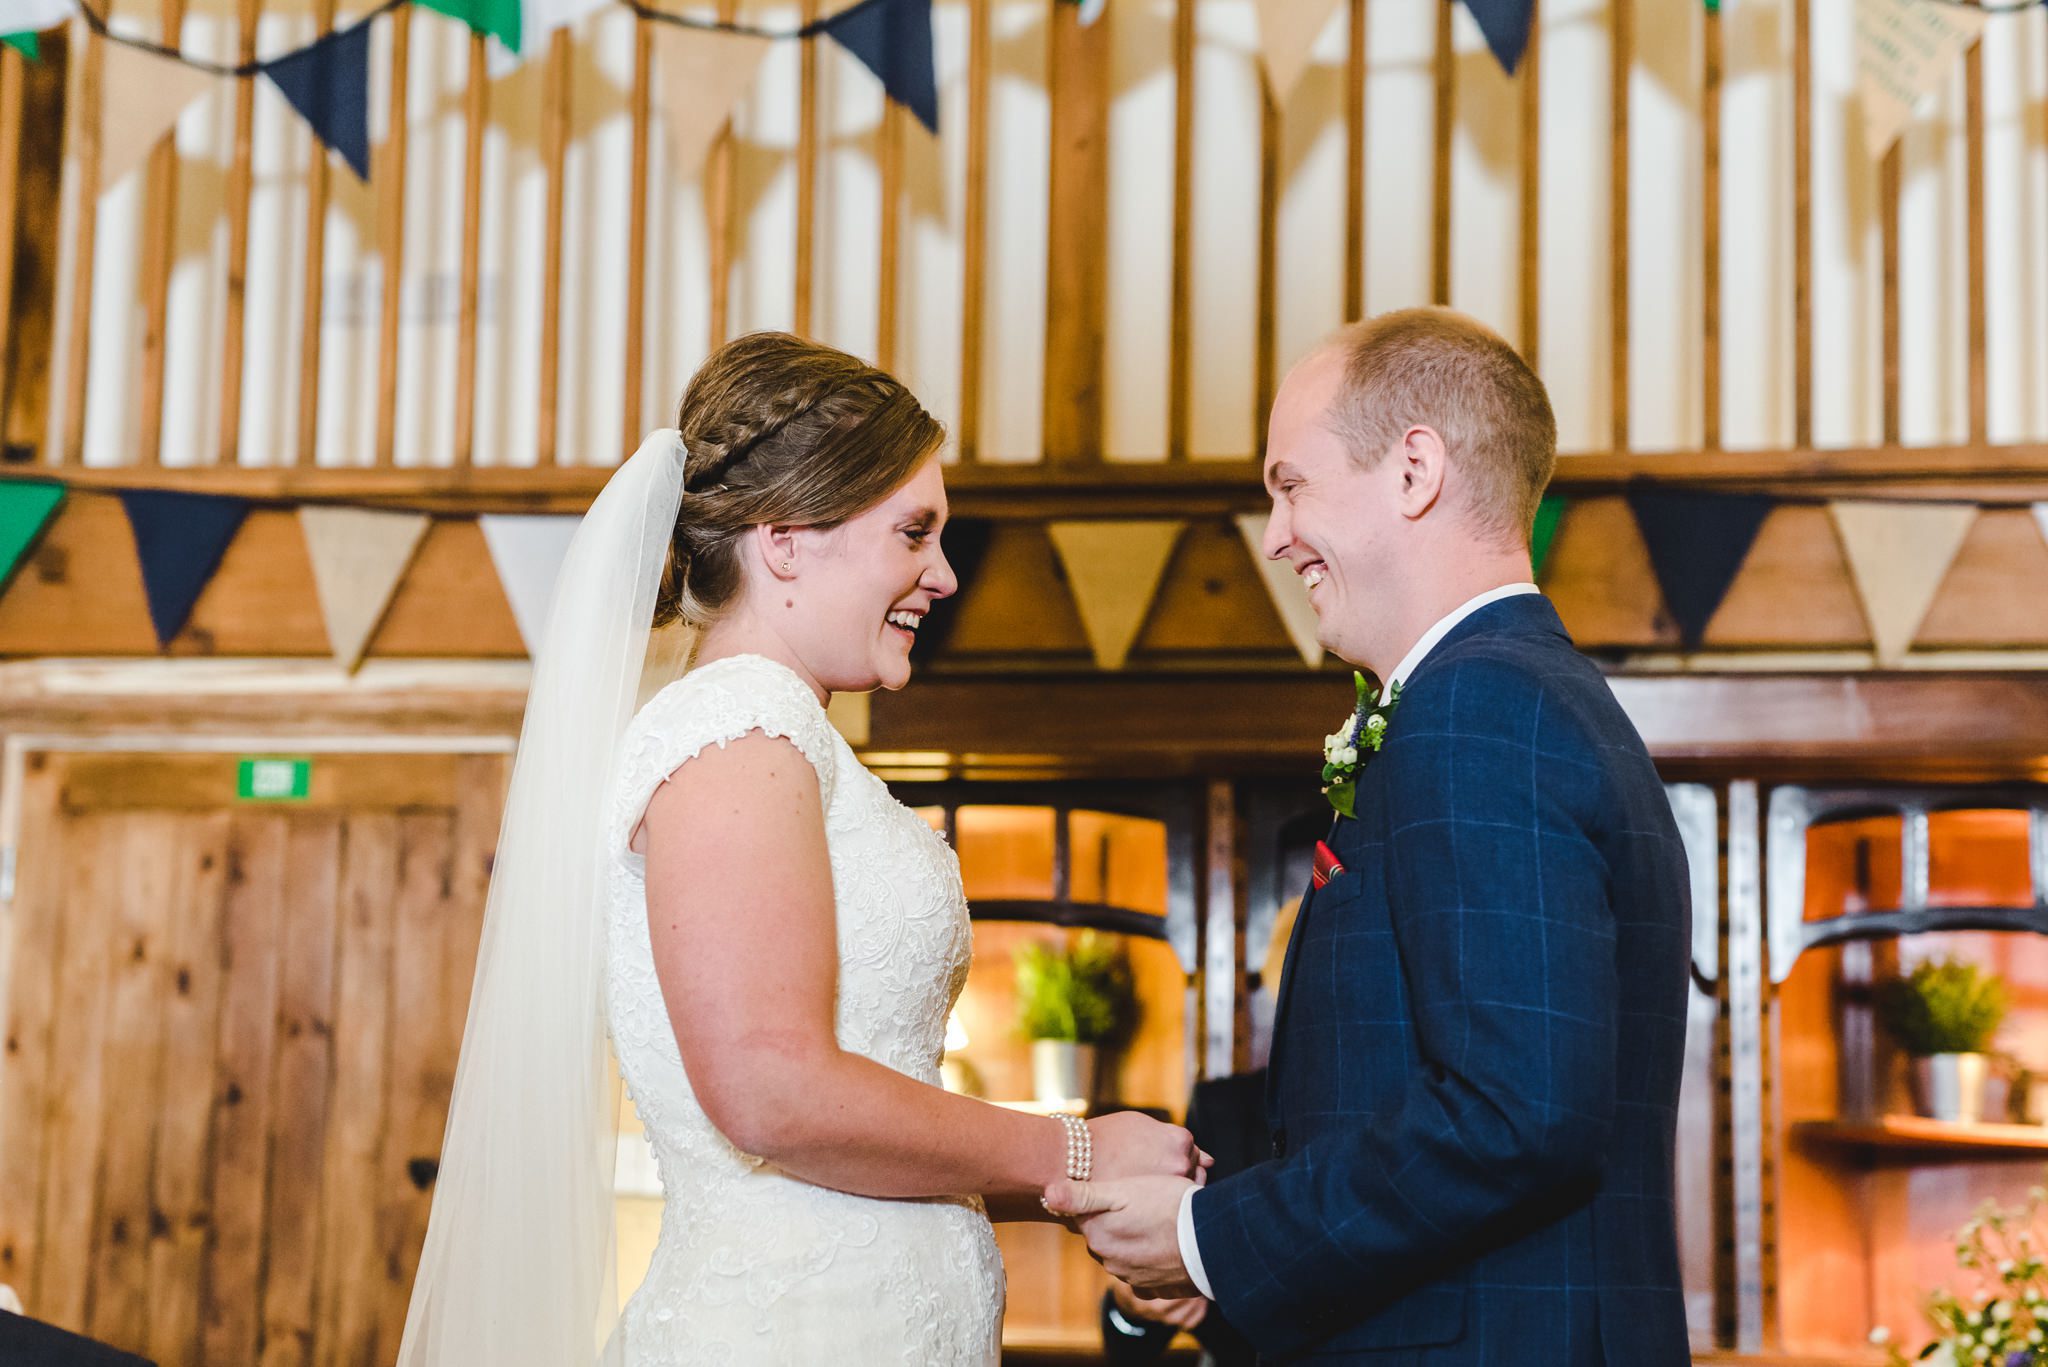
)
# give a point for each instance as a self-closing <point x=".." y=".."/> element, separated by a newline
<point x="239" y="70"/>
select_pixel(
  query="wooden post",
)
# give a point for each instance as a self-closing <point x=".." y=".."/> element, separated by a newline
<point x="159" y="232"/>
<point x="1266" y="361"/>
<point x="475" y="113"/>
<point x="807" y="185"/>
<point x="1973" y="155"/>
<point x="890" y="233"/>
<point x="1618" y="218"/>
<point x="1802" y="224"/>
<point x="307" y="451"/>
<point x="719" y="169"/>
<point x="1077" y="284"/>
<point x="87" y="132"/>
<point x="974" y="231"/>
<point x="391" y="234"/>
<point x="1440" y="182"/>
<point x="11" y="132"/>
<point x="1354" y="168"/>
<point x="1888" y="229"/>
<point x="1710" y="232"/>
<point x="1531" y="282"/>
<point x="241" y="180"/>
<point x="1181" y="327"/>
<point x="554" y="137"/>
<point x="636" y="229"/>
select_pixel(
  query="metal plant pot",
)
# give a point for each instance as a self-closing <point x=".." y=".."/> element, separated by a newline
<point x="1950" y="1086"/>
<point x="1062" y="1071"/>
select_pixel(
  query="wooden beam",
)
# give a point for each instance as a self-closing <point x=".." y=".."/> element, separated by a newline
<point x="390" y="177"/>
<point x="1973" y="161"/>
<point x="11" y="140"/>
<point x="1531" y="279"/>
<point x="807" y="180"/>
<point x="554" y="141"/>
<point x="475" y="114"/>
<point x="1802" y="223"/>
<point x="641" y="109"/>
<point x="1440" y="180"/>
<point x="1354" y="167"/>
<point x="241" y="183"/>
<point x="1620" y="67"/>
<point x="1077" y="271"/>
<point x="85" y="131"/>
<point x="1267" y="358"/>
<point x="890" y="235"/>
<point x="1710" y="230"/>
<point x="1180" y="325"/>
<point x="974" y="229"/>
<point x="720" y="168"/>
<point x="1888" y="229"/>
<point x="159" y="232"/>
<point x="307" y="449"/>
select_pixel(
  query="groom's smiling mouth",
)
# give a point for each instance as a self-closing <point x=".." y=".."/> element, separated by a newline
<point x="1313" y="573"/>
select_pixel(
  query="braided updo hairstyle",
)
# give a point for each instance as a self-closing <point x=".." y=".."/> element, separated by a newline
<point x="782" y="432"/>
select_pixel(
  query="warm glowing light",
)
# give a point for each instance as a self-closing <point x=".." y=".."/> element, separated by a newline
<point x="956" y="1034"/>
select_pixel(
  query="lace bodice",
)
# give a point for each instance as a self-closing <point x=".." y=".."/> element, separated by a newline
<point x="754" y="1265"/>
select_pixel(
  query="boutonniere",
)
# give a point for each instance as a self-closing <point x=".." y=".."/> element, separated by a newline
<point x="1346" y="751"/>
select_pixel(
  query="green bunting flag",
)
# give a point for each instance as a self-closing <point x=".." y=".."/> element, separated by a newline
<point x="25" y="508"/>
<point x="24" y="43"/>
<point x="1548" y="514"/>
<point x="498" y="18"/>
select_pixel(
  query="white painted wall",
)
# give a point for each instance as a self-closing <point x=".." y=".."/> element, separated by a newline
<point x="1665" y="251"/>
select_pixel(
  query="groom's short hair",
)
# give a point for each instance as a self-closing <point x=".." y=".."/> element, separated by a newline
<point x="1437" y="368"/>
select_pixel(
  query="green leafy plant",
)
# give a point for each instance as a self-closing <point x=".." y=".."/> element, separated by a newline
<point x="1081" y="991"/>
<point x="1944" y="1007"/>
<point x="2003" y="1325"/>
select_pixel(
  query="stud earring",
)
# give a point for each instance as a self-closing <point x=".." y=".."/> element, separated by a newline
<point x="785" y="567"/>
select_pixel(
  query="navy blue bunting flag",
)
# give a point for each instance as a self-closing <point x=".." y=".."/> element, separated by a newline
<point x="1697" y="542"/>
<point x="180" y="539"/>
<point x="329" y="84"/>
<point x="893" y="38"/>
<point x="1506" y="26"/>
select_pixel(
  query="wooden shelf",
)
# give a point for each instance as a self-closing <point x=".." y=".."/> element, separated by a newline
<point x="1915" y="1134"/>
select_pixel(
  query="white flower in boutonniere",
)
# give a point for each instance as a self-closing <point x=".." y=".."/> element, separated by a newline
<point x="1363" y="731"/>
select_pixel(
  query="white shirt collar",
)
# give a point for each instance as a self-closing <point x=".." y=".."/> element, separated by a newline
<point x="1444" y="628"/>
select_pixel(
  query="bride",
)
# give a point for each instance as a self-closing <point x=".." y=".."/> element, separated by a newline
<point x="772" y="940"/>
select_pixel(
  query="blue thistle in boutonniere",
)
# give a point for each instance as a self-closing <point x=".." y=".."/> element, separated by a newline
<point x="1346" y="751"/>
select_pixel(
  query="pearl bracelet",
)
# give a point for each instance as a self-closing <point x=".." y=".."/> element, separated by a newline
<point x="1080" y="1146"/>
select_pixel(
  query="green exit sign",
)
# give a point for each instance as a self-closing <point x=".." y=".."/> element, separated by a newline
<point x="273" y="780"/>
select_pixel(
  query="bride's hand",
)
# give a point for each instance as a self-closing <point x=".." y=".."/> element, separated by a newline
<point x="1133" y="1144"/>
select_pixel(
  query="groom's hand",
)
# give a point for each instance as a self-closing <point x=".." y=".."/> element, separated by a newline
<point x="1130" y="1225"/>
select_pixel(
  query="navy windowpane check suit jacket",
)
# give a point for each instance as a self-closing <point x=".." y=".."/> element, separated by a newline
<point x="1474" y="1082"/>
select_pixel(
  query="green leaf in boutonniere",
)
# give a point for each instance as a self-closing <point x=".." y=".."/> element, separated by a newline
<point x="1346" y="750"/>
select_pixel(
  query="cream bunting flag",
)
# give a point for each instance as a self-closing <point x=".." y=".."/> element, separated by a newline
<point x="1113" y="569"/>
<point x="1284" y="587"/>
<point x="33" y="16"/>
<point x="359" y="556"/>
<point x="703" y="73"/>
<point x="1288" y="30"/>
<point x="528" y="550"/>
<point x="145" y="94"/>
<point x="1898" y="555"/>
<point x="1904" y="49"/>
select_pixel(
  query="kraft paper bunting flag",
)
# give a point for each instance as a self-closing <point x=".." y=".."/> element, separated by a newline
<point x="329" y="83"/>
<point x="893" y="38"/>
<point x="145" y="94"/>
<point x="1898" y="555"/>
<point x="359" y="556"/>
<point x="1697" y="541"/>
<point x="1114" y="570"/>
<point x="1284" y="587"/>
<point x="703" y="75"/>
<point x="501" y="19"/>
<point x="180" y="539"/>
<point x="1904" y="49"/>
<point x="1543" y="535"/>
<point x="1505" y="24"/>
<point x="25" y="508"/>
<point x="528" y="550"/>
<point x="1288" y="30"/>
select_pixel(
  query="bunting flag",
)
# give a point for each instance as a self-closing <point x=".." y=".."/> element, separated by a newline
<point x="25" y="44"/>
<point x="528" y="550"/>
<point x="1288" y="30"/>
<point x="25" y="509"/>
<point x="22" y="20"/>
<point x="1505" y="24"/>
<point x="1549" y="513"/>
<point x="180" y="539"/>
<point x="539" y="20"/>
<point x="893" y="39"/>
<point x="1113" y="569"/>
<point x="329" y="84"/>
<point x="703" y="73"/>
<point x="1697" y="541"/>
<point x="1904" y="49"/>
<point x="145" y="94"/>
<point x="359" y="556"/>
<point x="1284" y="587"/>
<point x="500" y="19"/>
<point x="1898" y="555"/>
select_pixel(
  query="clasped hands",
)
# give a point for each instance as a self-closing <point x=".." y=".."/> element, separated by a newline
<point x="1129" y="1215"/>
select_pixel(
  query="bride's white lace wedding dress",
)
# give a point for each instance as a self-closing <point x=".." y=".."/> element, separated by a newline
<point x="754" y="1265"/>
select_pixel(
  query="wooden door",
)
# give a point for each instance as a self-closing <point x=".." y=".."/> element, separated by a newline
<point x="231" y="1028"/>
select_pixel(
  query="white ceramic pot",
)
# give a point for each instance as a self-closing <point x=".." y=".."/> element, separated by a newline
<point x="1950" y="1086"/>
<point x="1062" y="1072"/>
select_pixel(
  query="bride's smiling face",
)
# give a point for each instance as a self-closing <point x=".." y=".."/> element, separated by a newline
<point x="855" y="596"/>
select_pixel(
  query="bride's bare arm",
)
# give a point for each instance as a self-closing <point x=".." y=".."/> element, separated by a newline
<point x="740" y="909"/>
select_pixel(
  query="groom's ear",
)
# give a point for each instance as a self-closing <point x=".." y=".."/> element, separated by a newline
<point x="1422" y="465"/>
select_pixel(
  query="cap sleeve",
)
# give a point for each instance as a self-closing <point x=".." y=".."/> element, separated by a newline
<point x="715" y="705"/>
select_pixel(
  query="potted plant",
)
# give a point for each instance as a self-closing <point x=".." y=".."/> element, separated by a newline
<point x="1944" y="1015"/>
<point x="1071" y="1000"/>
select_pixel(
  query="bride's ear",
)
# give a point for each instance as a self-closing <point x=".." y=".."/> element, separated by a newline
<point x="777" y="548"/>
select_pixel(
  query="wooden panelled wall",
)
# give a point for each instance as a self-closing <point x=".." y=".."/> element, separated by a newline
<point x="230" y="1036"/>
<point x="1078" y="294"/>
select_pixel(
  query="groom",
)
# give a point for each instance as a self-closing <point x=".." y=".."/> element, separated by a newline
<point x="1476" y="1056"/>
